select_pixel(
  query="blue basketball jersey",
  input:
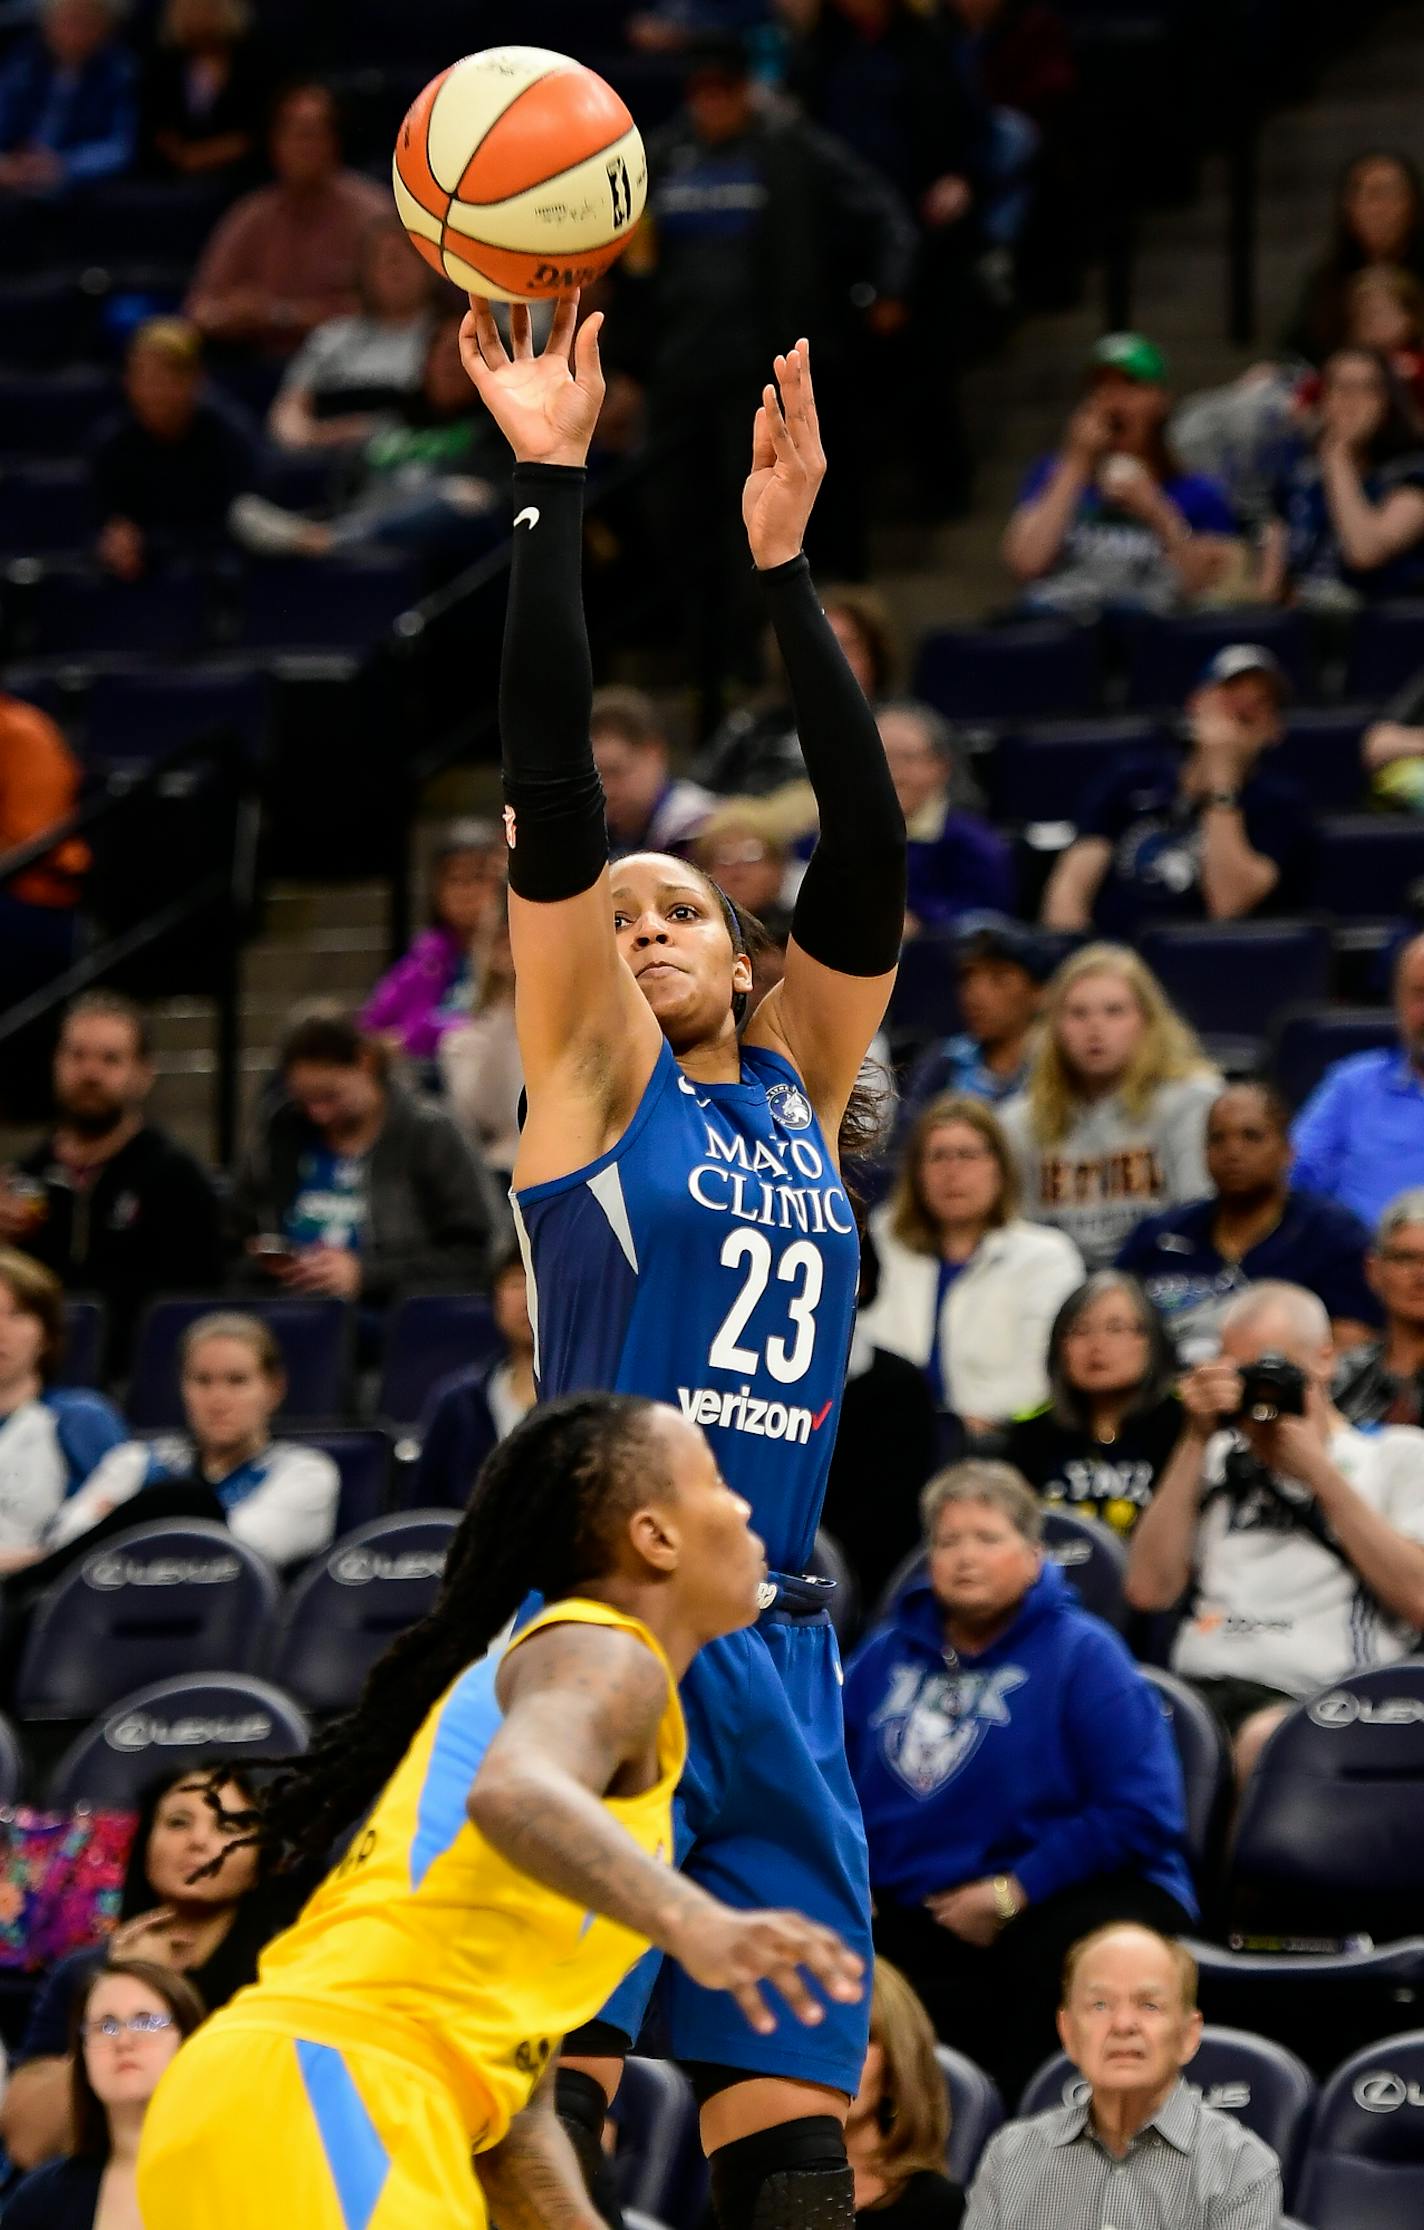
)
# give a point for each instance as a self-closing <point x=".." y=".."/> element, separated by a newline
<point x="709" y="1260"/>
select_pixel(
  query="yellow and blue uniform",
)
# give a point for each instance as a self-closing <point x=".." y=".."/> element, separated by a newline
<point x="408" y="2014"/>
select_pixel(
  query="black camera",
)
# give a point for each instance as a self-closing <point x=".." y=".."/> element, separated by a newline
<point x="1271" y="1387"/>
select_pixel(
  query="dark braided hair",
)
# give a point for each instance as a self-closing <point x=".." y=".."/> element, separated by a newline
<point x="545" y="1514"/>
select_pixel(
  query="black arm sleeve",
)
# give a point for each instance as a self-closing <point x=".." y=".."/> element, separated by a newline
<point x="850" y="909"/>
<point x="559" y="842"/>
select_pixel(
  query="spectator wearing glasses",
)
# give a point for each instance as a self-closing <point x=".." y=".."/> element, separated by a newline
<point x="1099" y="1447"/>
<point x="1254" y="1225"/>
<point x="1382" y="1383"/>
<point x="128" y="2028"/>
<point x="1000" y="970"/>
<point x="968" y="1289"/>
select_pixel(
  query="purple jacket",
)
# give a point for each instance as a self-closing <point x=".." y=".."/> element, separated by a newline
<point x="406" y="1002"/>
<point x="966" y="867"/>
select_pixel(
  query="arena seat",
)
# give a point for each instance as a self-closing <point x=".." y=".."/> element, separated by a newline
<point x="175" y="1723"/>
<point x="85" y="1320"/>
<point x="148" y="220"/>
<point x="1041" y="773"/>
<point x="362" y="1454"/>
<point x="352" y="1604"/>
<point x="45" y="508"/>
<point x="658" y="2168"/>
<point x="1367" y="863"/>
<point x="1228" y="976"/>
<point x="46" y="321"/>
<point x="12" y="1764"/>
<point x="1257" y="2082"/>
<point x="1321" y="751"/>
<point x="154" y="1601"/>
<point x="428" y="1336"/>
<point x="1387" y="650"/>
<point x="1321" y="2004"/>
<point x="75" y="611"/>
<point x="1364" y="2166"/>
<point x="1091" y="1558"/>
<point x="338" y="603"/>
<point x="1310" y="1040"/>
<point x="1035" y="669"/>
<point x="51" y="414"/>
<point x="1206" y="1765"/>
<point x="829" y="1562"/>
<point x="975" y="2112"/>
<point x="1332" y="1820"/>
<point x="924" y="1003"/>
<point x="1166" y="656"/>
<point x="141" y="714"/>
<point x="314" y="1334"/>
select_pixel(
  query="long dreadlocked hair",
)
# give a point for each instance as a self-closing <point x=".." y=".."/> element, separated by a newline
<point x="545" y="1514"/>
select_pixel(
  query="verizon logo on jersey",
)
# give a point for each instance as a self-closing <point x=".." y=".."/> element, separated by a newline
<point x="746" y="1412"/>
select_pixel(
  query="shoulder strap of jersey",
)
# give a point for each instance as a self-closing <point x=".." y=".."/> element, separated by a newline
<point x="581" y="1610"/>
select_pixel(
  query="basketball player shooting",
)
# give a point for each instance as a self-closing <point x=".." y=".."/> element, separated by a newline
<point x="688" y="1236"/>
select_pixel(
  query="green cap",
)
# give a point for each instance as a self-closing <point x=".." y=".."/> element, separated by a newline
<point x="1132" y="354"/>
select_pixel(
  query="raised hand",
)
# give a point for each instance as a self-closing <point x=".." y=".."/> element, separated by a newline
<point x="546" y="406"/>
<point x="788" y="463"/>
<point x="726" y="1950"/>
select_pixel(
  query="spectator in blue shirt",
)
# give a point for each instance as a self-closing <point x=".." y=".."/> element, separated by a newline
<point x="50" y="1437"/>
<point x="957" y="863"/>
<point x="1359" y="1138"/>
<point x="68" y="101"/>
<point x="1111" y="521"/>
<point x="1193" y="1259"/>
<point x="1349" y="519"/>
<point x="473" y="1409"/>
<point x="1000" y="970"/>
<point x="1197" y="832"/>
<point x="1017" y="1777"/>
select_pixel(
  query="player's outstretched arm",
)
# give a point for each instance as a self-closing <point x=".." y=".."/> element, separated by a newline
<point x="850" y="909"/>
<point x="580" y="1703"/>
<point x="575" y="996"/>
<point x="532" y="2178"/>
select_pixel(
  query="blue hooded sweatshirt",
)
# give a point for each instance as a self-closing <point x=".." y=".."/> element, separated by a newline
<point x="1045" y="1756"/>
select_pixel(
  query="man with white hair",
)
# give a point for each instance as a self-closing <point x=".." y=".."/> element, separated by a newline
<point x="1302" y="1538"/>
<point x="1383" y="1383"/>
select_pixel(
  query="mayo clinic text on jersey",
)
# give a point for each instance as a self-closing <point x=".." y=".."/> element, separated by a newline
<point x="757" y="1184"/>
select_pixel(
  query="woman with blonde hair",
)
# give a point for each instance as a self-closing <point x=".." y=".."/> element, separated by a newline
<point x="1112" y="1123"/>
<point x="968" y="1288"/>
<point x="897" y="2131"/>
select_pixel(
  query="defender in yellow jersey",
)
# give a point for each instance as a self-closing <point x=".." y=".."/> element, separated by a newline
<point x="516" y="1864"/>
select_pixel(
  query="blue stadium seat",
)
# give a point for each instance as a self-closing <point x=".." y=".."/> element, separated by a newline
<point x="1166" y="657"/>
<point x="1367" y="863"/>
<point x="12" y="1764"/>
<point x="1364" y="2166"/>
<point x="1388" y="650"/>
<point x="75" y="612"/>
<point x="46" y="322"/>
<point x="1041" y="773"/>
<point x="1206" y="1767"/>
<point x="45" y="509"/>
<point x="350" y="1606"/>
<point x="828" y="1562"/>
<point x="51" y="414"/>
<point x="658" y="2168"/>
<point x="172" y="1724"/>
<point x="1308" y="1043"/>
<point x="346" y="603"/>
<point x="156" y="1600"/>
<point x="925" y="1001"/>
<point x="1091" y="1558"/>
<point x="975" y="2112"/>
<point x="149" y="221"/>
<point x="1321" y="751"/>
<point x="1038" y="669"/>
<point x="1323" y="2005"/>
<point x="1332" y="1820"/>
<point x="143" y="713"/>
<point x="362" y="1454"/>
<point x="314" y="1335"/>
<point x="429" y="1336"/>
<point x="1228" y="976"/>
<point x="84" y="1324"/>
<point x="1255" y="2081"/>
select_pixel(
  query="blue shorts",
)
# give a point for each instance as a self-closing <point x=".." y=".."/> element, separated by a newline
<point x="766" y="1816"/>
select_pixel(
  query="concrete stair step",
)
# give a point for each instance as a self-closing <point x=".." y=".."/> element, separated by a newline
<point x="296" y="910"/>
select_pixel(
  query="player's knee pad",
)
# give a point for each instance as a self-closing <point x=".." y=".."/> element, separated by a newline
<point x="583" y="2109"/>
<point x="793" y="2177"/>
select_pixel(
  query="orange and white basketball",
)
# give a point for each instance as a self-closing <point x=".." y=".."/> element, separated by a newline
<point x="519" y="174"/>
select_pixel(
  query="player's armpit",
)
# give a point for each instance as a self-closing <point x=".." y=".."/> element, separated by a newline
<point x="531" y="2178"/>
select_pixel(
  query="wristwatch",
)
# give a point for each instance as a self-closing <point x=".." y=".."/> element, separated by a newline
<point x="1006" y="1903"/>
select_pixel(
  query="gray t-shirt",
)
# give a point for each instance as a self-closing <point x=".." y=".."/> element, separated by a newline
<point x="1111" y="1168"/>
<point x="358" y="364"/>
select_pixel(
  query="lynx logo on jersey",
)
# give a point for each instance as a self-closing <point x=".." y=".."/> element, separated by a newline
<point x="931" y="1725"/>
<point x="789" y="1106"/>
